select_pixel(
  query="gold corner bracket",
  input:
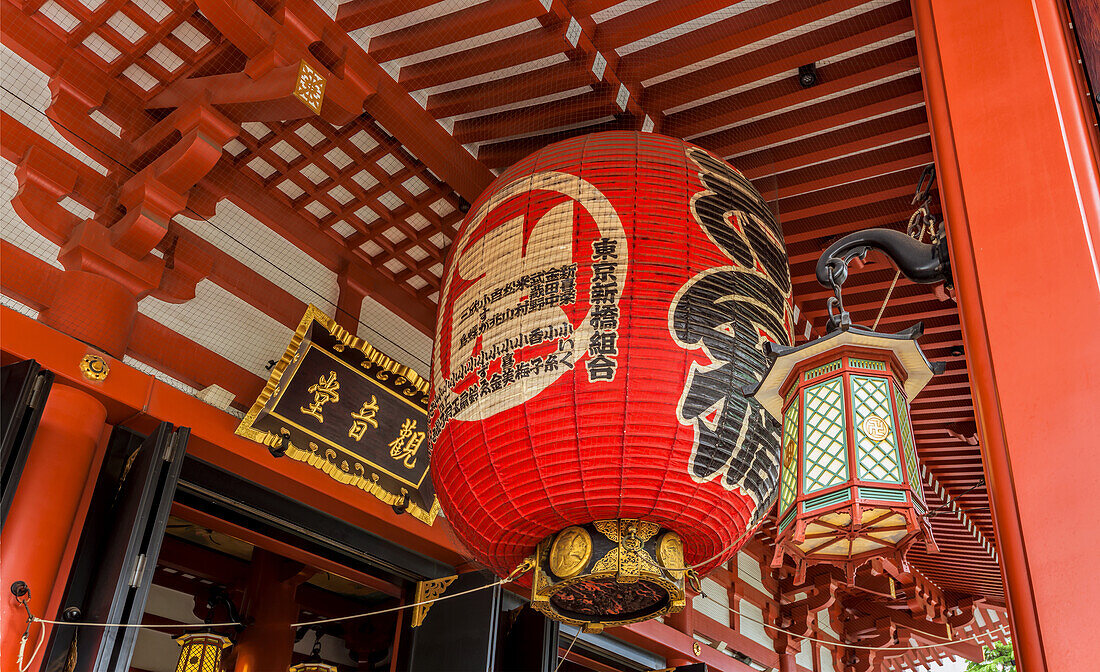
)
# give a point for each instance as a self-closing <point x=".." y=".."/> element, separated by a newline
<point x="426" y="594"/>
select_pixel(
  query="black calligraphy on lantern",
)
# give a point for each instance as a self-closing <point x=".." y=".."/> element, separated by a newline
<point x="729" y="311"/>
<point x="604" y="297"/>
<point x="324" y="391"/>
<point x="363" y="418"/>
<point x="407" y="444"/>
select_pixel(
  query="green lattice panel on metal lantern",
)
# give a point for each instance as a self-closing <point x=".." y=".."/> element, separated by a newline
<point x="866" y="364"/>
<point x="877" y="460"/>
<point x="825" y="447"/>
<point x="821" y="370"/>
<point x="907" y="445"/>
<point x="788" y="484"/>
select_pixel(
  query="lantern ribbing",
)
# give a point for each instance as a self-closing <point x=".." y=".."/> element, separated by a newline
<point x="603" y="305"/>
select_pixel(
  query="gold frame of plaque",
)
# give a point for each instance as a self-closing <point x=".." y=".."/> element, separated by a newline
<point x="340" y="405"/>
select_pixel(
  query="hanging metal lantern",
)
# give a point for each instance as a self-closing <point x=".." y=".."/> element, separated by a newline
<point x="603" y="304"/>
<point x="850" y="488"/>
<point x="201" y="652"/>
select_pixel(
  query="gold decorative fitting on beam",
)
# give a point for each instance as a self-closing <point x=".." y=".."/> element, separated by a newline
<point x="310" y="87"/>
<point x="94" y="367"/>
<point x="428" y="591"/>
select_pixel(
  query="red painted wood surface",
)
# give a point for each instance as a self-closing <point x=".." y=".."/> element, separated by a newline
<point x="46" y="510"/>
<point x="1024" y="255"/>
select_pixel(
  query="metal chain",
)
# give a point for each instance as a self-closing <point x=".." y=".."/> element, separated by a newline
<point x="927" y="222"/>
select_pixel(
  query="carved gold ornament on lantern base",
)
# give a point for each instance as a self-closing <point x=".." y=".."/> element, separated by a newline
<point x="608" y="573"/>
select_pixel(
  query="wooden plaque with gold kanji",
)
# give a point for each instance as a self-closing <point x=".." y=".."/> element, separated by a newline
<point x="337" y="403"/>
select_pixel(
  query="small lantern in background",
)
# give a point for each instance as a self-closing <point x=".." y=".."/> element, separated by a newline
<point x="850" y="486"/>
<point x="201" y="652"/>
<point x="314" y="662"/>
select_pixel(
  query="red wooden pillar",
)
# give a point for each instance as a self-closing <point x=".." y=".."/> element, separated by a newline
<point x="45" y="509"/>
<point x="269" y="607"/>
<point x="1017" y="160"/>
<point x="684" y="621"/>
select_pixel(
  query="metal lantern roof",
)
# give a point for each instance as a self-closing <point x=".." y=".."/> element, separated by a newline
<point x="903" y="344"/>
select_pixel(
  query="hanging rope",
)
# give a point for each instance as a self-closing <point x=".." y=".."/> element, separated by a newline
<point x="525" y="566"/>
<point x="566" y="654"/>
<point x="688" y="568"/>
<point x="23" y="596"/>
<point x="914" y="232"/>
<point x="927" y="222"/>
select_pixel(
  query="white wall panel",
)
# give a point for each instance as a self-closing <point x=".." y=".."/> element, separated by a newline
<point x="26" y="95"/>
<point x="12" y="227"/>
<point x="385" y="330"/>
<point x="248" y="240"/>
<point x="717" y="606"/>
<point x="750" y="625"/>
<point x="224" y="324"/>
<point x="748" y="570"/>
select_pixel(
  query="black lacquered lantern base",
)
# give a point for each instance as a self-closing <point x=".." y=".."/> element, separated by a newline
<point x="610" y="572"/>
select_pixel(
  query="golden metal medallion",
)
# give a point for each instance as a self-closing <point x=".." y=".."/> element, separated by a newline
<point x="670" y="554"/>
<point x="875" y="428"/>
<point x="94" y="367"/>
<point x="570" y="553"/>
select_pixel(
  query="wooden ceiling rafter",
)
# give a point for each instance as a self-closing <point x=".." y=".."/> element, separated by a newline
<point x="888" y="62"/>
<point x="830" y="41"/>
<point x="736" y="32"/>
<point x="833" y="158"/>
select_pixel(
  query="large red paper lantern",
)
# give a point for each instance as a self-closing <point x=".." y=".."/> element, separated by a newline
<point x="603" y="306"/>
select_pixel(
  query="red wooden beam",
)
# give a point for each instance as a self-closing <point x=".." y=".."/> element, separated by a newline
<point x="503" y="154"/>
<point x="243" y="22"/>
<point x="654" y="18"/>
<point x="530" y="46"/>
<point x="860" y="137"/>
<point x="863" y="69"/>
<point x="510" y="90"/>
<point x="875" y="190"/>
<point x="883" y="161"/>
<point x="829" y="41"/>
<point x="427" y="140"/>
<point x="894" y="96"/>
<point x="727" y="35"/>
<point x="257" y="201"/>
<point x="801" y="232"/>
<point x="586" y="107"/>
<point x="289" y="551"/>
<point x="358" y="13"/>
<point x="461" y="25"/>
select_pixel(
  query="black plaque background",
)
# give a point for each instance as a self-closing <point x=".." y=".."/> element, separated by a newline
<point x="326" y="445"/>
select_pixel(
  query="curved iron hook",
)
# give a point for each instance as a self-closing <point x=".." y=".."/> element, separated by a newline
<point x="924" y="263"/>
